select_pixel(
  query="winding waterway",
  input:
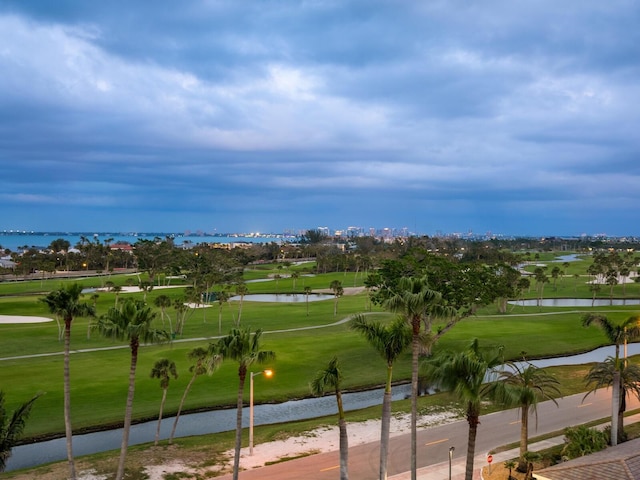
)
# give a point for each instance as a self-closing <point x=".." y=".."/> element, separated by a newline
<point x="31" y="455"/>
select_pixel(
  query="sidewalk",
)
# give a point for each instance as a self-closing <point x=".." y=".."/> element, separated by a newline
<point x="440" y="471"/>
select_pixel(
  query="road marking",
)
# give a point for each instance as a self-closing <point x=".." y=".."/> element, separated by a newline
<point x="585" y="405"/>
<point x="513" y="423"/>
<point x="329" y="468"/>
<point x="436" y="442"/>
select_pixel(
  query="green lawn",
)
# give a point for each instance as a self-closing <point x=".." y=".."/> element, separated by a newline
<point x="99" y="378"/>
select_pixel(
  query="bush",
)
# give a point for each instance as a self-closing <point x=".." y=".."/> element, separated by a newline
<point x="581" y="440"/>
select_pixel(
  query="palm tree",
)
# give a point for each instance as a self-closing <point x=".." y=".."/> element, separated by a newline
<point x="338" y="290"/>
<point x="223" y="297"/>
<point x="294" y="276"/>
<point x="416" y="303"/>
<point x="130" y="322"/>
<point x="163" y="302"/>
<point x="528" y="385"/>
<point x="163" y="369"/>
<point x="464" y="373"/>
<point x="241" y="290"/>
<point x="243" y="347"/>
<point x="307" y="291"/>
<point x="616" y="334"/>
<point x="330" y="378"/>
<point x="389" y="341"/>
<point x="116" y="289"/>
<point x="204" y="363"/>
<point x="11" y="427"/>
<point x="65" y="302"/>
<point x="603" y="374"/>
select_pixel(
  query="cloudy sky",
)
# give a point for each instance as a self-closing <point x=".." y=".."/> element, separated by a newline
<point x="515" y="117"/>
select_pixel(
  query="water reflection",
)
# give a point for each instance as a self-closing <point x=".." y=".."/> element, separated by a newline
<point x="26" y="456"/>
<point x="283" y="297"/>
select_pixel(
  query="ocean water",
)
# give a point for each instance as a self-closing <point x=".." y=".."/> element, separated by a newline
<point x="14" y="240"/>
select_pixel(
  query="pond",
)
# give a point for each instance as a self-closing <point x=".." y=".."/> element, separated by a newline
<point x="575" y="302"/>
<point x="282" y="297"/>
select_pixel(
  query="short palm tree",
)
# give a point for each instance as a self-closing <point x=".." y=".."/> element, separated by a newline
<point x="416" y="303"/>
<point x="390" y="341"/>
<point x="65" y="302"/>
<point x="163" y="369"/>
<point x="330" y="378"/>
<point x="11" y="427"/>
<point x="130" y="322"/>
<point x="243" y="347"/>
<point x="464" y="373"/>
<point x="204" y="363"/>
<point x="617" y="334"/>
<point x="527" y="386"/>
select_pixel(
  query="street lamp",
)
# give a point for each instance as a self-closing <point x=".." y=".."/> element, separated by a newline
<point x="267" y="373"/>
<point x="451" y="449"/>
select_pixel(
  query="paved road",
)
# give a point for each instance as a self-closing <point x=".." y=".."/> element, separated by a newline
<point x="496" y="429"/>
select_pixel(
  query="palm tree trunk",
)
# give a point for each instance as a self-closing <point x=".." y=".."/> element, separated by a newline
<point x="385" y="427"/>
<point x="473" y="420"/>
<point x="615" y="402"/>
<point x="524" y="437"/>
<point x="164" y="397"/>
<point x="184" y="396"/>
<point x="621" y="409"/>
<point x="415" y="349"/>
<point x="67" y="398"/>
<point x="344" y="439"/>
<point x="128" y="409"/>
<point x="242" y="373"/>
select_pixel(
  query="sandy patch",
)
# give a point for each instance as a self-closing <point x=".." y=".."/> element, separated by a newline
<point x="22" y="319"/>
<point x="320" y="440"/>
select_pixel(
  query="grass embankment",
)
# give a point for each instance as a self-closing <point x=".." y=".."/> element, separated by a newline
<point x="99" y="378"/>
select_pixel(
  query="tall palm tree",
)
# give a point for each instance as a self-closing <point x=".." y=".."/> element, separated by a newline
<point x="389" y="341"/>
<point x="416" y="303"/>
<point x="338" y="290"/>
<point x="163" y="369"/>
<point x="603" y="374"/>
<point x="65" y="302"/>
<point x="528" y="385"/>
<point x="223" y="297"/>
<point x="130" y="322"/>
<point x="243" y="347"/>
<point x="11" y="427"/>
<point x="329" y="378"/>
<point x="204" y="363"/>
<point x="307" y="292"/>
<point x="464" y="373"/>
<point x="241" y="290"/>
<point x="163" y="302"/>
<point x="616" y="334"/>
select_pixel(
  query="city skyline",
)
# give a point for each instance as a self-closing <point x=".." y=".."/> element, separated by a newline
<point x="516" y="119"/>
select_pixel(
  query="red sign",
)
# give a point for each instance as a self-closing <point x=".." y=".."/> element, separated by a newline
<point x="490" y="458"/>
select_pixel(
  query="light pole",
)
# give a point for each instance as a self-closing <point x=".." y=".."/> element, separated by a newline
<point x="451" y="449"/>
<point x="267" y="373"/>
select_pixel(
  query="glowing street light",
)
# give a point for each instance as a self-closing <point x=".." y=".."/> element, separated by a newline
<point x="268" y="374"/>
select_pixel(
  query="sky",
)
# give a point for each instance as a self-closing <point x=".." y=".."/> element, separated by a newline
<point x="510" y="117"/>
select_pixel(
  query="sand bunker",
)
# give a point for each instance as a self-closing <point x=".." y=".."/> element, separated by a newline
<point x="23" y="319"/>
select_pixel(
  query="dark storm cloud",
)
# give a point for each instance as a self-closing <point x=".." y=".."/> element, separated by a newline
<point x="503" y="116"/>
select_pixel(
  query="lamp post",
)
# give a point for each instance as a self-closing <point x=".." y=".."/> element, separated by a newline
<point x="267" y="373"/>
<point x="451" y="449"/>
